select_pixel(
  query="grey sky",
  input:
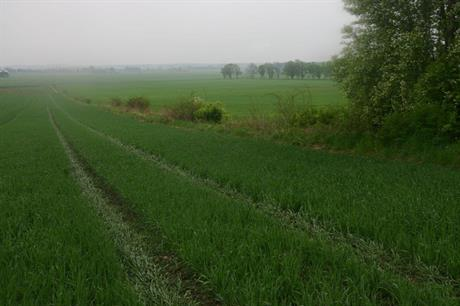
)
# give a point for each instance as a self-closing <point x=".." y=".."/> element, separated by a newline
<point x="162" y="32"/>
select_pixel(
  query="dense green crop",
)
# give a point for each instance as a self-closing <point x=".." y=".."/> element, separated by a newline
<point x="11" y="106"/>
<point x="257" y="222"/>
<point x="53" y="248"/>
<point x="246" y="256"/>
<point x="410" y="209"/>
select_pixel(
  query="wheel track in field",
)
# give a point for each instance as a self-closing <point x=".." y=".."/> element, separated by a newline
<point x="147" y="271"/>
<point x="368" y="250"/>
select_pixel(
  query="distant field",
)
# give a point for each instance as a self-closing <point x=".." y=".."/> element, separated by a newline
<point x="239" y="97"/>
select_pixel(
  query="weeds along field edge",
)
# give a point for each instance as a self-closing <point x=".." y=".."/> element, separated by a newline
<point x="53" y="249"/>
<point x="409" y="209"/>
<point x="245" y="256"/>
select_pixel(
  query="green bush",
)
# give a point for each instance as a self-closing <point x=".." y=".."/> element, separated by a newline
<point x="319" y="115"/>
<point x="185" y="109"/>
<point x="440" y="85"/>
<point x="425" y="122"/>
<point x="194" y="108"/>
<point x="140" y="104"/>
<point x="210" y="112"/>
<point x="294" y="109"/>
<point x="116" y="102"/>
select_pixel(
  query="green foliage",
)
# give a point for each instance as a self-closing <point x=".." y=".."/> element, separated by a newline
<point x="398" y="53"/>
<point x="194" y="108"/>
<point x="230" y="71"/>
<point x="291" y="69"/>
<point x="426" y="123"/>
<point x="329" y="116"/>
<point x="139" y="104"/>
<point x="116" y="102"/>
<point x="210" y="112"/>
<point x="261" y="70"/>
<point x="301" y="70"/>
<point x="440" y="85"/>
<point x="295" y="110"/>
<point x="185" y="109"/>
<point x="251" y="70"/>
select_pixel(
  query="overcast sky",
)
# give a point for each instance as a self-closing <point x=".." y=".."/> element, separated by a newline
<point x="76" y="32"/>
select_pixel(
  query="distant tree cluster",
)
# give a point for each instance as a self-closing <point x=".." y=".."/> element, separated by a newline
<point x="301" y="70"/>
<point x="231" y="71"/>
<point x="4" y="74"/>
<point x="271" y="70"/>
<point x="292" y="70"/>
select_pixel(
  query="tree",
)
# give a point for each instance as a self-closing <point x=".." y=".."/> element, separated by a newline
<point x="230" y="71"/>
<point x="251" y="70"/>
<point x="301" y="69"/>
<point x="226" y="71"/>
<point x="261" y="70"/>
<point x="290" y="69"/>
<point x="278" y="69"/>
<point x="236" y="71"/>
<point x="327" y="69"/>
<point x="4" y="74"/>
<point x="392" y="48"/>
<point x="270" y="70"/>
<point x="315" y="70"/>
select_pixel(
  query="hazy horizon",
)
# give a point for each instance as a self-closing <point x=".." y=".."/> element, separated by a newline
<point x="80" y="33"/>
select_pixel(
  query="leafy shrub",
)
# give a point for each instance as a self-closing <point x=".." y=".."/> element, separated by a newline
<point x="210" y="112"/>
<point x="319" y="115"/>
<point x="290" y="105"/>
<point x="440" y="85"/>
<point x="194" y="108"/>
<point x="294" y="109"/>
<point x="185" y="109"/>
<point x="425" y="122"/>
<point x="140" y="104"/>
<point x="116" y="102"/>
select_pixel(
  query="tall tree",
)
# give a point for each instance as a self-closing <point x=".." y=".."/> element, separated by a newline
<point x="290" y="69"/>
<point x="278" y="69"/>
<point x="261" y="70"/>
<point x="236" y="70"/>
<point x="251" y="70"/>
<point x="389" y="50"/>
<point x="230" y="70"/>
<point x="270" y="70"/>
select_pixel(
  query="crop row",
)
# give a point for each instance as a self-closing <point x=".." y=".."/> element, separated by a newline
<point x="53" y="249"/>
<point x="411" y="209"/>
<point x="247" y="257"/>
<point x="10" y="106"/>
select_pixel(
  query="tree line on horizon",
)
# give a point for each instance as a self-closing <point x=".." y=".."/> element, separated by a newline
<point x="292" y="69"/>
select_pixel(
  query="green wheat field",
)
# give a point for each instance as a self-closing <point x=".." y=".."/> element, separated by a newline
<point x="99" y="208"/>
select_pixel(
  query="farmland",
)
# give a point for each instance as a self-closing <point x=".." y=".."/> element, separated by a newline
<point x="215" y="218"/>
<point x="239" y="97"/>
